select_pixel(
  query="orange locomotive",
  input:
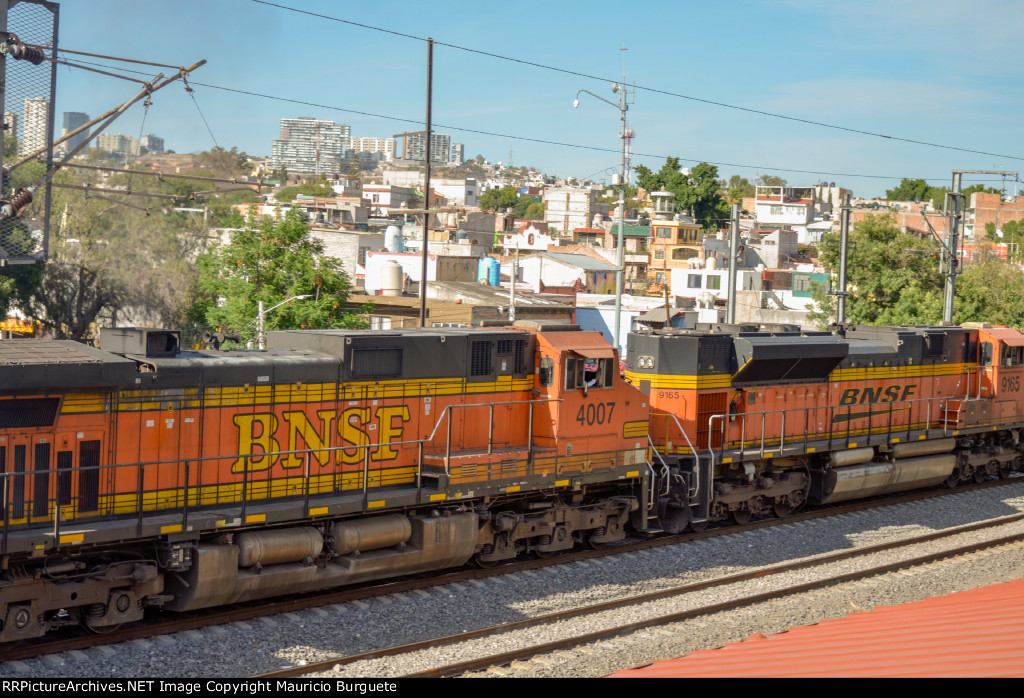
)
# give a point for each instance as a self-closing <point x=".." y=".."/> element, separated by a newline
<point x="754" y="419"/>
<point x="146" y="476"/>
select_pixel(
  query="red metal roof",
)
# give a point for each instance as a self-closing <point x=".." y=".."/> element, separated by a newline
<point x="977" y="633"/>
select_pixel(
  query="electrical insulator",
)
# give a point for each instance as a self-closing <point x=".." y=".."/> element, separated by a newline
<point x="12" y="208"/>
<point x="18" y="50"/>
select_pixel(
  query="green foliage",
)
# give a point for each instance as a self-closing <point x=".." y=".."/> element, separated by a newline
<point x="1013" y="236"/>
<point x="534" y="212"/>
<point x="918" y="190"/>
<point x="697" y="193"/>
<point x="273" y="261"/>
<point x="321" y="188"/>
<point x="738" y="188"/>
<point x="895" y="280"/>
<point x="893" y="277"/>
<point x="770" y="181"/>
<point x="495" y="199"/>
<point x="106" y="260"/>
<point x="976" y="188"/>
<point x="224" y="163"/>
<point x="991" y="291"/>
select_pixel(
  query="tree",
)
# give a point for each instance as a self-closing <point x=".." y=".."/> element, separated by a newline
<point x="770" y="181"/>
<point x="893" y="277"/>
<point x="319" y="188"/>
<point x="738" y="188"/>
<point x="696" y="193"/>
<point x="224" y="163"/>
<point x="917" y="190"/>
<point x="271" y="262"/>
<point x="107" y="261"/>
<point x="494" y="199"/>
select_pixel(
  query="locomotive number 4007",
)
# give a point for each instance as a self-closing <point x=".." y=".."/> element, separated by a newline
<point x="595" y="413"/>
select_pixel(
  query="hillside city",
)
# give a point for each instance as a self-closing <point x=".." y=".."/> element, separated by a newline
<point x="509" y="242"/>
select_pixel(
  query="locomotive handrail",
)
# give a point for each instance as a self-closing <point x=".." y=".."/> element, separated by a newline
<point x="844" y="436"/>
<point x="711" y="453"/>
<point x="447" y="412"/>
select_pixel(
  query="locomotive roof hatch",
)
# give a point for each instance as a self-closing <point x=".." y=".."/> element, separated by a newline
<point x="787" y="359"/>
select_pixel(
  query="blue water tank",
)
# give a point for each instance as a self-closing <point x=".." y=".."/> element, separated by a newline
<point x="489" y="271"/>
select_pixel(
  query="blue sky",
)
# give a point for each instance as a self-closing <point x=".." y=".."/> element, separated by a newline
<point x="940" y="72"/>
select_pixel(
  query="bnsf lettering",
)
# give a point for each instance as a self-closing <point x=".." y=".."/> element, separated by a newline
<point x="258" y="435"/>
<point x="870" y="396"/>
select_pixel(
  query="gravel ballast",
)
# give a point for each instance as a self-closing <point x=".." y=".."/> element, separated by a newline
<point x="247" y="648"/>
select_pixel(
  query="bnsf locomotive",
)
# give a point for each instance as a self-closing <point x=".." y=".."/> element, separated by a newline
<point x="146" y="476"/>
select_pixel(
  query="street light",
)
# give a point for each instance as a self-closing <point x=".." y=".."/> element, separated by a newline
<point x="261" y="317"/>
<point x="624" y="134"/>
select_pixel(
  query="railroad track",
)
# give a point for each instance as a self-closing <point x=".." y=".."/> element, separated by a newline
<point x="491" y="635"/>
<point x="163" y="625"/>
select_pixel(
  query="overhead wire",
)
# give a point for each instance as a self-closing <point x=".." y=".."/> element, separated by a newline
<point x="654" y="90"/>
<point x="462" y="129"/>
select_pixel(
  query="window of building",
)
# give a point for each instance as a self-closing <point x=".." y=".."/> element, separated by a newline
<point x="659" y="254"/>
<point x="693" y="281"/>
<point x="661" y="232"/>
<point x="776" y="210"/>
<point x="714" y="282"/>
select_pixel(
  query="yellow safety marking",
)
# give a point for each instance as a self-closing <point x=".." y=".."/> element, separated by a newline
<point x="317" y="511"/>
<point x="727" y="460"/>
<point x="632" y="473"/>
<point x="72" y="538"/>
<point x="895" y="439"/>
<point x="561" y="483"/>
<point x="438" y="497"/>
<point x="513" y="488"/>
<point x="256" y="518"/>
<point x="852" y="444"/>
<point x="811" y="449"/>
<point x="173" y="528"/>
<point x="376" y="505"/>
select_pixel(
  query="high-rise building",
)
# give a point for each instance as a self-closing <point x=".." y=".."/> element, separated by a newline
<point x="414" y="146"/>
<point x="368" y="144"/>
<point x="10" y="124"/>
<point x="73" y="120"/>
<point x="117" y="143"/>
<point x="151" y="144"/>
<point x="458" y="154"/>
<point x="310" y="146"/>
<point x="34" y="125"/>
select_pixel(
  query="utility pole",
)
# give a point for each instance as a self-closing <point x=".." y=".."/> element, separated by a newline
<point x="426" y="187"/>
<point x="624" y="135"/>
<point x="844" y="244"/>
<point x="734" y="245"/>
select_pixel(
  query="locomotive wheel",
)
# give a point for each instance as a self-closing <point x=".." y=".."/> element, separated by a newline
<point x="741" y="516"/>
<point x="954" y="478"/>
<point x="782" y="508"/>
<point x="1005" y="470"/>
<point x="980" y="475"/>
<point x="484" y="564"/>
<point x="103" y="629"/>
<point x="698" y="526"/>
<point x="544" y="554"/>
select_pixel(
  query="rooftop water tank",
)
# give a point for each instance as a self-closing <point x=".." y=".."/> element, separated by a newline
<point x="489" y="271"/>
<point x="393" y="239"/>
<point x="391" y="278"/>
